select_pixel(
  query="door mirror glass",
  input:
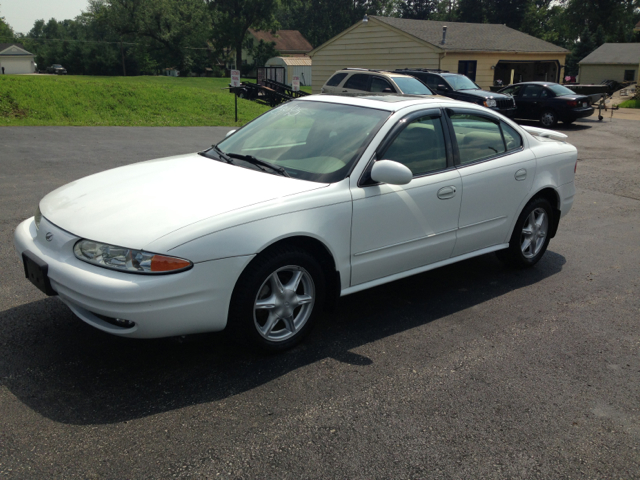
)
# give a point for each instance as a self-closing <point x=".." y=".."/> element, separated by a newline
<point x="388" y="171"/>
<point x="230" y="132"/>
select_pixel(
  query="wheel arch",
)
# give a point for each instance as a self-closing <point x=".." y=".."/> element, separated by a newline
<point x="551" y="195"/>
<point x="321" y="252"/>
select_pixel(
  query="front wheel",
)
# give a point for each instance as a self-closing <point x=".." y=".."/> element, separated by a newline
<point x="530" y="237"/>
<point x="549" y="118"/>
<point x="277" y="299"/>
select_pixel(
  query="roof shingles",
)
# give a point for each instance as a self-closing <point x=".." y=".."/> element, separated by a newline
<point x="483" y="37"/>
<point x="287" y="41"/>
<point x="614" y="53"/>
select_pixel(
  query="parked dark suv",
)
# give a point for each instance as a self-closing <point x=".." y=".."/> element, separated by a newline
<point x="548" y="102"/>
<point x="57" y="69"/>
<point x="460" y="87"/>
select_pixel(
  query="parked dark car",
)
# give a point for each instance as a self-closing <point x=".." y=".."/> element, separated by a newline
<point x="548" y="102"/>
<point x="57" y="69"/>
<point x="461" y="87"/>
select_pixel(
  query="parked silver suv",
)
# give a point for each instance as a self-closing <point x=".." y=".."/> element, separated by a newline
<point x="359" y="80"/>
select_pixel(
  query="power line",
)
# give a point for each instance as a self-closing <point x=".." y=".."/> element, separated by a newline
<point x="17" y="40"/>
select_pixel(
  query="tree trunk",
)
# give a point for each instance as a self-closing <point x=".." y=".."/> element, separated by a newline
<point x="238" y="56"/>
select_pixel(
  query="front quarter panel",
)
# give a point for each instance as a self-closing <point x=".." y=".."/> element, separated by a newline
<point x="324" y="216"/>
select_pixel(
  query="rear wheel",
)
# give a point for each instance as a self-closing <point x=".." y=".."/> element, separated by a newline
<point x="530" y="237"/>
<point x="548" y="118"/>
<point x="277" y="299"/>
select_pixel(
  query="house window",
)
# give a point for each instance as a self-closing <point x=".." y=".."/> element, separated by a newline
<point x="629" y="75"/>
<point x="468" y="68"/>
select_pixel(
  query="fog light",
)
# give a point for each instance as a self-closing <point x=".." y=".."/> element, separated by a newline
<point x="117" y="322"/>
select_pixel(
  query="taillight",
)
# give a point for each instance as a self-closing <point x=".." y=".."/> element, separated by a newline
<point x="572" y="103"/>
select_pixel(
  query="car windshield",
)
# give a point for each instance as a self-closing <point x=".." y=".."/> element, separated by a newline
<point x="411" y="86"/>
<point x="559" y="90"/>
<point x="460" y="82"/>
<point x="313" y="141"/>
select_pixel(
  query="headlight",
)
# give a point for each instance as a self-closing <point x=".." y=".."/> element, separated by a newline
<point x="128" y="260"/>
<point x="490" y="102"/>
<point x="38" y="217"/>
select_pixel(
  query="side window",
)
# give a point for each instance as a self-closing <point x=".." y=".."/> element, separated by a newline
<point x="530" y="92"/>
<point x="335" y="80"/>
<point x="546" y="93"/>
<point x="432" y="82"/>
<point x="357" y="82"/>
<point x="513" y="91"/>
<point x="379" y="84"/>
<point x="478" y="138"/>
<point x="420" y="146"/>
<point x="512" y="139"/>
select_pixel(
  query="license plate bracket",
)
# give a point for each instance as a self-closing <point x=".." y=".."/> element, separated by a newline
<point x="37" y="271"/>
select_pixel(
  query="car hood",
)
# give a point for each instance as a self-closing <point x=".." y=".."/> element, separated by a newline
<point x="133" y="205"/>
<point x="483" y="94"/>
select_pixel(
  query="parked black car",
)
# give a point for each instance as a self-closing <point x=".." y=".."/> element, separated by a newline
<point x="548" y="102"/>
<point x="460" y="87"/>
<point x="57" y="69"/>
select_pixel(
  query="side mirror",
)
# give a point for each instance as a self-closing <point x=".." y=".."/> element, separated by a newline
<point x="388" y="171"/>
<point x="442" y="87"/>
<point x="230" y="132"/>
<point x="387" y="90"/>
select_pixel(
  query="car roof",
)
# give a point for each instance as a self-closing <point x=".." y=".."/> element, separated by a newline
<point x="373" y="72"/>
<point x="544" y="84"/>
<point x="388" y="102"/>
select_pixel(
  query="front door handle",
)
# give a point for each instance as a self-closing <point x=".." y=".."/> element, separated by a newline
<point x="446" y="192"/>
<point x="521" y="175"/>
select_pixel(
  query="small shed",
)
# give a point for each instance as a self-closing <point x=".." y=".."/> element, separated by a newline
<point x="611" y="61"/>
<point x="483" y="52"/>
<point x="300" y="66"/>
<point x="15" y="59"/>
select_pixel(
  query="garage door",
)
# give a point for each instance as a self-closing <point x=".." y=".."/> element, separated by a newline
<point x="16" y="65"/>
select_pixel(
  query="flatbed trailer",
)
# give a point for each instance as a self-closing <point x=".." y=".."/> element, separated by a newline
<point x="268" y="92"/>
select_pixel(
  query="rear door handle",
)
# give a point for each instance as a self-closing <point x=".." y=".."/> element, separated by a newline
<point x="446" y="192"/>
<point x="521" y="174"/>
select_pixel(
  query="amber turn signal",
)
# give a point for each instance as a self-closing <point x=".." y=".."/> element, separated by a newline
<point x="160" y="263"/>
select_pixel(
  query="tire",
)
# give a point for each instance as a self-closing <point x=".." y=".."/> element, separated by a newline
<point x="273" y="321"/>
<point x="548" y="118"/>
<point x="530" y="237"/>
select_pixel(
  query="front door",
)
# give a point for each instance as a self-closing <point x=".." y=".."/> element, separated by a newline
<point x="528" y="102"/>
<point x="397" y="228"/>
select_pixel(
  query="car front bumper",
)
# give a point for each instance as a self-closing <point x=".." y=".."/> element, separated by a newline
<point x="189" y="302"/>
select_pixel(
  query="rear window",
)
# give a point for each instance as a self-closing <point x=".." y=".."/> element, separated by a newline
<point x="336" y="79"/>
<point x="411" y="86"/>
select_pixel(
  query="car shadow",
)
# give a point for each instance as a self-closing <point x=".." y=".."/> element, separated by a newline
<point x="584" y="124"/>
<point x="72" y="373"/>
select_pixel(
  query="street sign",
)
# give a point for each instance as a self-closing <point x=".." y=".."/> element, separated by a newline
<point x="295" y="84"/>
<point x="235" y="78"/>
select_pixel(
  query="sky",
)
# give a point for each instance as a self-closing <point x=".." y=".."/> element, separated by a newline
<point x="21" y="14"/>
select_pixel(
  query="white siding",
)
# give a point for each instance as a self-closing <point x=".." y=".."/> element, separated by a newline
<point x="16" y="65"/>
<point x="595" y="74"/>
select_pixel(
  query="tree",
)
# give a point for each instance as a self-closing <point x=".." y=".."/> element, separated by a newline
<point x="418" y="9"/>
<point x="232" y="19"/>
<point x="7" y="34"/>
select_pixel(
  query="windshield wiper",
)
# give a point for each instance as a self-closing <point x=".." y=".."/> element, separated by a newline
<point x="221" y="154"/>
<point x="259" y="163"/>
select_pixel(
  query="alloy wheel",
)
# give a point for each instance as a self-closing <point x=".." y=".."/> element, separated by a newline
<point x="284" y="303"/>
<point x="534" y="233"/>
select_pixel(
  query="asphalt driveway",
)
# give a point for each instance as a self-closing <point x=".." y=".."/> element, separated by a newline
<point x="470" y="371"/>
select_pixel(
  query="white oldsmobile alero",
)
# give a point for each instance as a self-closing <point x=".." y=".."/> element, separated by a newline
<point x="320" y="197"/>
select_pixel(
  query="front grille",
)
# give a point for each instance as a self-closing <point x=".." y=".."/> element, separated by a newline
<point x="505" y="103"/>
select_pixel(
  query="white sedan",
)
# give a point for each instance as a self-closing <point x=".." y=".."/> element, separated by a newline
<point x="319" y="198"/>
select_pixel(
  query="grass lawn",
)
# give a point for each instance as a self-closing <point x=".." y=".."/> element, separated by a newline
<point x="120" y="101"/>
<point x="630" y="104"/>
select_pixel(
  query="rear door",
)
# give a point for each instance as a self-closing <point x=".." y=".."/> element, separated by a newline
<point x="497" y="173"/>
<point x="529" y="105"/>
<point x="356" y="83"/>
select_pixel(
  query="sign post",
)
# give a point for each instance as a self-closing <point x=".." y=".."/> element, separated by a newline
<point x="295" y="84"/>
<point x="235" y="82"/>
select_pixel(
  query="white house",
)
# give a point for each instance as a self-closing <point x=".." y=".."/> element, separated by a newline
<point x="15" y="59"/>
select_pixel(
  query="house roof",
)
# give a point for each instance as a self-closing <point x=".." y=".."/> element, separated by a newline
<point x="285" y="40"/>
<point x="614" y="53"/>
<point x="294" y="61"/>
<point x="483" y="37"/>
<point x="6" y="46"/>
